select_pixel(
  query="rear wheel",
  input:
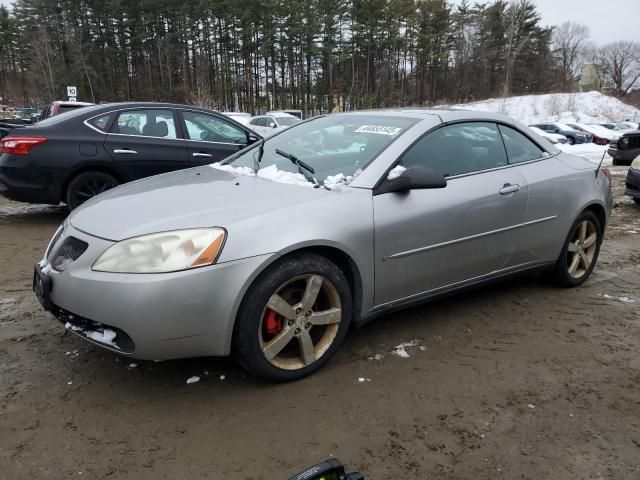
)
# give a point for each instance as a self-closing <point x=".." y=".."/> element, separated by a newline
<point x="87" y="185"/>
<point x="580" y="251"/>
<point x="637" y="200"/>
<point x="293" y="319"/>
<point x="571" y="140"/>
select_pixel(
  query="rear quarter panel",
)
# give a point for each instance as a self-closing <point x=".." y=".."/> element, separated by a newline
<point x="560" y="187"/>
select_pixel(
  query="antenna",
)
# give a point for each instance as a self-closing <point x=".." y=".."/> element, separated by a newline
<point x="600" y="164"/>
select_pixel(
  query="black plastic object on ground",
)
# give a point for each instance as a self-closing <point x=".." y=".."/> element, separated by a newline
<point x="331" y="469"/>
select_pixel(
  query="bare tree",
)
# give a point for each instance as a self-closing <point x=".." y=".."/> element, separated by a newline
<point x="570" y="42"/>
<point x="620" y="65"/>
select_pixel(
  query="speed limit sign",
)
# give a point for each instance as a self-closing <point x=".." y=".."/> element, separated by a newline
<point x="72" y="92"/>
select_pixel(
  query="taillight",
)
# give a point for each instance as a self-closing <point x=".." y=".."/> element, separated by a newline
<point x="19" y="145"/>
<point x="606" y="171"/>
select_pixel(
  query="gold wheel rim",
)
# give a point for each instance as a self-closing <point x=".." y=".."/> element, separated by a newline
<point x="300" y="322"/>
<point x="582" y="249"/>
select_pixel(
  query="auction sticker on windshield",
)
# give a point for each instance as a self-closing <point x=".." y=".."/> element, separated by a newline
<point x="378" y="129"/>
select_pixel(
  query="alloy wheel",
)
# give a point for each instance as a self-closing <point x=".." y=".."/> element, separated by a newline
<point x="300" y="322"/>
<point x="582" y="249"/>
<point x="91" y="187"/>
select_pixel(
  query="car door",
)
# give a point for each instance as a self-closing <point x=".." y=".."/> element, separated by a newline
<point x="211" y="138"/>
<point x="426" y="240"/>
<point x="537" y="241"/>
<point x="146" y="141"/>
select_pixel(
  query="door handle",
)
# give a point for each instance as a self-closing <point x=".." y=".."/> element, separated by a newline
<point x="200" y="154"/>
<point x="507" y="188"/>
<point x="125" y="151"/>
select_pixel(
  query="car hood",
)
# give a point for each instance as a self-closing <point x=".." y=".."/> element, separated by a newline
<point x="193" y="198"/>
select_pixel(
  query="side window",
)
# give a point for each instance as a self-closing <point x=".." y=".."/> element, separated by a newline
<point x="458" y="149"/>
<point x="270" y="122"/>
<point x="519" y="147"/>
<point x="146" y="123"/>
<point x="102" y="122"/>
<point x="262" y="122"/>
<point x="212" y="129"/>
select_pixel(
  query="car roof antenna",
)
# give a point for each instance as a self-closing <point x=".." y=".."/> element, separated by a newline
<point x="600" y="164"/>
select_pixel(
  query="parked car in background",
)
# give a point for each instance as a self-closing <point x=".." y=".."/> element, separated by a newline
<point x="273" y="254"/>
<point x="59" y="106"/>
<point x="552" y="137"/>
<point x="573" y="135"/>
<point x="295" y="113"/>
<point x="70" y="158"/>
<point x="618" y="128"/>
<point x="627" y="125"/>
<point x="633" y="181"/>
<point x="240" y="117"/>
<point x="599" y="135"/>
<point x="625" y="149"/>
<point x="267" y="125"/>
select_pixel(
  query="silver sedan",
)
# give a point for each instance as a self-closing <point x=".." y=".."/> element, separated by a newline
<point x="274" y="254"/>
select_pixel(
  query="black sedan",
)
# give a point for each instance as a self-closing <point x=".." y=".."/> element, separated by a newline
<point x="74" y="156"/>
<point x="633" y="181"/>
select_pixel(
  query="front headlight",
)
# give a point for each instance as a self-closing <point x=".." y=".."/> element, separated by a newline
<point x="163" y="252"/>
<point x="636" y="163"/>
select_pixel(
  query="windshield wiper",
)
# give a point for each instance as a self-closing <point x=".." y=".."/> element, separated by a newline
<point x="304" y="169"/>
<point x="256" y="161"/>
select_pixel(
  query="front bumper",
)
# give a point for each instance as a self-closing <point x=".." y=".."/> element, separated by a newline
<point x="633" y="183"/>
<point x="161" y="316"/>
<point x="626" y="155"/>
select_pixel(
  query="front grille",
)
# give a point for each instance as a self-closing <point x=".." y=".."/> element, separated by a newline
<point x="68" y="252"/>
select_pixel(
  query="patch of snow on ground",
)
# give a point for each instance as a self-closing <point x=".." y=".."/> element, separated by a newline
<point x="194" y="379"/>
<point x="395" y="172"/>
<point x="619" y="299"/>
<point x="401" y="350"/>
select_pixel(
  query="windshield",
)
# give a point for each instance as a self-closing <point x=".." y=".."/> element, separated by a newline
<point x="287" y="121"/>
<point x="331" y="145"/>
<point x="75" y="112"/>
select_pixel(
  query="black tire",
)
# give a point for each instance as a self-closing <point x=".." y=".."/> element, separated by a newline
<point x="616" y="162"/>
<point x="249" y="333"/>
<point x="571" y="140"/>
<point x="561" y="272"/>
<point x="87" y="185"/>
<point x="637" y="201"/>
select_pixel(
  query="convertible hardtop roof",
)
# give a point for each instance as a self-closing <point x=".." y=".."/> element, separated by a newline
<point x="445" y="114"/>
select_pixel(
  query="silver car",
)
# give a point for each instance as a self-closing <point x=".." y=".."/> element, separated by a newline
<point x="274" y="254"/>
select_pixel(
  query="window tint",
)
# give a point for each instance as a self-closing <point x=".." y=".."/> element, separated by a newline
<point x="102" y="122"/>
<point x="458" y="149"/>
<point x="212" y="129"/>
<point x="519" y="147"/>
<point x="147" y="123"/>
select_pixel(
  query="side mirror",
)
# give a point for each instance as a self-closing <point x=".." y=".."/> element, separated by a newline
<point x="252" y="138"/>
<point x="413" y="178"/>
<point x="272" y="124"/>
<point x="331" y="469"/>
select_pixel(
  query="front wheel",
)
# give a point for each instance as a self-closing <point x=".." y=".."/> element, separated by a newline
<point x="580" y="251"/>
<point x="637" y="200"/>
<point x="87" y="185"/>
<point x="293" y="318"/>
<point x="571" y="140"/>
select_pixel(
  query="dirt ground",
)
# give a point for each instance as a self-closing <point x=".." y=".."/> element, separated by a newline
<point x="518" y="380"/>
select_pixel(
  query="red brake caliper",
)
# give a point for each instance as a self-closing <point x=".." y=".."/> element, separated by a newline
<point x="272" y="322"/>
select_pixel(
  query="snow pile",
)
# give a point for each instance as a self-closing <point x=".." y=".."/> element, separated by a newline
<point x="401" y="350"/>
<point x="590" y="151"/>
<point x="583" y="107"/>
<point x="269" y="173"/>
<point x="194" y="379"/>
<point x="106" y="335"/>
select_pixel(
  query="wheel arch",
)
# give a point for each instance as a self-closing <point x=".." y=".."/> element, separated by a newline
<point x="88" y="168"/>
<point x="333" y="253"/>
<point x="599" y="212"/>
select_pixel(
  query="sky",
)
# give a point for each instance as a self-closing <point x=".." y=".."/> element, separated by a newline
<point x="608" y="20"/>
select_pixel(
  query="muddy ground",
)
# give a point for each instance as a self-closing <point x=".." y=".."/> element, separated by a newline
<point x="517" y="380"/>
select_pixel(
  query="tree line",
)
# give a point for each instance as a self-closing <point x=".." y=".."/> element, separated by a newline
<point x="313" y="55"/>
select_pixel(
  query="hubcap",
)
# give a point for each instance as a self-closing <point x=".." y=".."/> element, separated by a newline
<point x="582" y="249"/>
<point x="308" y="312"/>
<point x="92" y="187"/>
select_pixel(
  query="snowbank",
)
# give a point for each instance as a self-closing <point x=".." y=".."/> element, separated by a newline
<point x="583" y="107"/>
<point x="590" y="151"/>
